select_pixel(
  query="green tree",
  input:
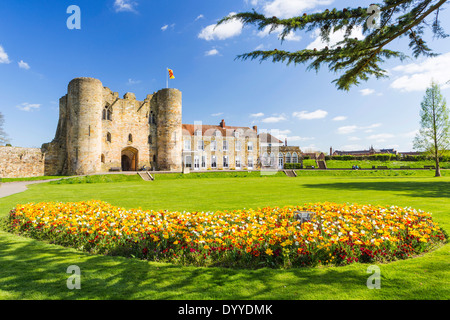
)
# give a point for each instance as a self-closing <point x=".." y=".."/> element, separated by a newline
<point x="434" y="134"/>
<point x="3" y="135"/>
<point x="356" y="59"/>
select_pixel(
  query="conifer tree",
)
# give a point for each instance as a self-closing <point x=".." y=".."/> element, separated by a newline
<point x="355" y="59"/>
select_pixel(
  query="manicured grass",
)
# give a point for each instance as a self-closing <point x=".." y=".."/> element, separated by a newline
<point x="368" y="164"/>
<point x="371" y="173"/>
<point x="36" y="270"/>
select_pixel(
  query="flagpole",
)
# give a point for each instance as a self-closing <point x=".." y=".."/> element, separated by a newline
<point x="167" y="73"/>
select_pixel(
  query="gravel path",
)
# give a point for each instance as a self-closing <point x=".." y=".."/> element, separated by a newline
<point x="9" y="188"/>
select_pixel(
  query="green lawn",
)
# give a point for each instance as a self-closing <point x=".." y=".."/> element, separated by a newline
<point x="368" y="164"/>
<point x="36" y="270"/>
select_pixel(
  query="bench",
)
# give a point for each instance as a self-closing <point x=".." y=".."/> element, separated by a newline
<point x="115" y="169"/>
<point x="382" y="167"/>
<point x="309" y="167"/>
<point x="429" y="167"/>
<point x="405" y="167"/>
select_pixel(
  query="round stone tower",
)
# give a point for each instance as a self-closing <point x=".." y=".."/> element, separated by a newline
<point x="84" y="138"/>
<point x="168" y="128"/>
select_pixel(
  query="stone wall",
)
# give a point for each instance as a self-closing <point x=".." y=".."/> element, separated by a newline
<point x="16" y="162"/>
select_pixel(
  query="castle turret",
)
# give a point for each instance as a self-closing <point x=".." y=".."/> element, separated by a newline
<point x="84" y="108"/>
<point x="168" y="128"/>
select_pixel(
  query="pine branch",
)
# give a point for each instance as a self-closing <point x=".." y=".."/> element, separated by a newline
<point x="358" y="59"/>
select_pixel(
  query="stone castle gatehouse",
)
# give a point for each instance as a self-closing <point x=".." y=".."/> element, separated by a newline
<point x="99" y="132"/>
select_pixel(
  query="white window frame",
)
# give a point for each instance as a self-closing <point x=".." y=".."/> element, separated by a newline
<point x="213" y="145"/>
<point x="226" y="163"/>
<point x="250" y="162"/>
<point x="196" y="163"/>
<point x="250" y="146"/>
<point x="225" y="145"/>
<point x="200" y="145"/>
<point x="187" y="145"/>
<point x="188" y="164"/>
<point x="237" y="146"/>
<point x="237" y="161"/>
<point x="203" y="163"/>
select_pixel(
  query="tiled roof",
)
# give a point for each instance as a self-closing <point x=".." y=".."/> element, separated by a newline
<point x="268" y="138"/>
<point x="208" y="130"/>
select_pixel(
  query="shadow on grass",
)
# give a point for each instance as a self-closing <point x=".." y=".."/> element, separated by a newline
<point x="432" y="189"/>
<point x="32" y="270"/>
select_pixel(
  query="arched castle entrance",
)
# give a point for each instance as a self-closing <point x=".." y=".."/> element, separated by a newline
<point x="130" y="159"/>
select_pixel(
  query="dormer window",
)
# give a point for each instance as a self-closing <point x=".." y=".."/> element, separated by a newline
<point x="198" y="133"/>
<point x="236" y="134"/>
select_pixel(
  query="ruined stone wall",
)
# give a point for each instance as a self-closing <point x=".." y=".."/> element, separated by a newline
<point x="128" y="117"/>
<point x="16" y="162"/>
<point x="84" y="130"/>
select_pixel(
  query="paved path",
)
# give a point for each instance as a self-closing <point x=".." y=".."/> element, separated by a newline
<point x="9" y="188"/>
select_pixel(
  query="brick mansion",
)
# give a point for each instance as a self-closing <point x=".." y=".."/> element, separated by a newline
<point x="100" y="132"/>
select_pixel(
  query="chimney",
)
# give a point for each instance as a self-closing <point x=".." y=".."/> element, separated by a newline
<point x="285" y="142"/>
<point x="222" y="123"/>
<point x="331" y="151"/>
<point x="255" y="128"/>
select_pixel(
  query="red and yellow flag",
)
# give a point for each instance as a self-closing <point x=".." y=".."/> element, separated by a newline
<point x="171" y="76"/>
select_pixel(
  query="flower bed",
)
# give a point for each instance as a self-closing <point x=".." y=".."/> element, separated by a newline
<point x="338" y="234"/>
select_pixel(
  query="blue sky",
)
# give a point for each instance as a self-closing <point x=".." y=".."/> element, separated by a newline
<point x="129" y="44"/>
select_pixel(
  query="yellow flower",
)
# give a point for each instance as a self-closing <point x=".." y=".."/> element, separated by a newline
<point x="269" y="252"/>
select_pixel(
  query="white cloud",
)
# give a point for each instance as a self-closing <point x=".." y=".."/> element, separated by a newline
<point x="274" y="119"/>
<point x="164" y="28"/>
<point x="28" y="106"/>
<point x="23" y="65"/>
<point x="290" y="8"/>
<point x="381" y="137"/>
<point x="224" y="31"/>
<point x="410" y="134"/>
<point x="212" y="52"/>
<point x="353" y="128"/>
<point x="354" y="139"/>
<point x="340" y="118"/>
<point x="217" y="114"/>
<point x="353" y="147"/>
<point x="304" y="115"/>
<point x="257" y="115"/>
<point x="298" y="138"/>
<point x="132" y="82"/>
<point x="367" y="92"/>
<point x="291" y="36"/>
<point x="200" y="16"/>
<point x="418" y="76"/>
<point x="347" y="129"/>
<point x="259" y="48"/>
<point x="3" y="56"/>
<point x="335" y="37"/>
<point x="125" y="5"/>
